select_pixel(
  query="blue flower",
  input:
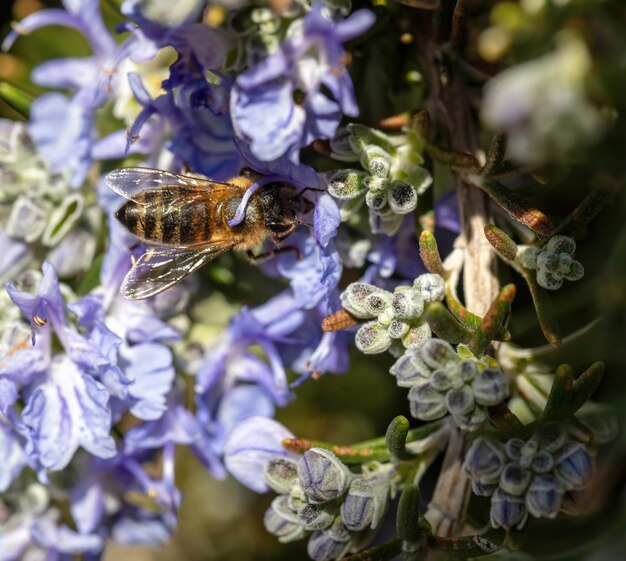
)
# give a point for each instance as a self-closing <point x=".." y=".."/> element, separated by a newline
<point x="262" y="101"/>
<point x="202" y="134"/>
<point x="250" y="446"/>
<point x="313" y="273"/>
<point x="90" y="77"/>
<point x="46" y="304"/>
<point x="66" y="411"/>
<point x="233" y="384"/>
<point x="118" y="498"/>
<point x="32" y="531"/>
<point x="12" y="452"/>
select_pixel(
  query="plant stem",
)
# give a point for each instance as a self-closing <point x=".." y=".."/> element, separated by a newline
<point x="452" y="116"/>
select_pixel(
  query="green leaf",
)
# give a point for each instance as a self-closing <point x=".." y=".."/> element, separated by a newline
<point x="396" y="438"/>
<point x="17" y="98"/>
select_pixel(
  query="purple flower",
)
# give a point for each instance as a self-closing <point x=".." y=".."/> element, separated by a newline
<point x="12" y="452"/>
<point x="89" y="76"/>
<point x="250" y="446"/>
<point x="38" y="535"/>
<point x="46" y="303"/>
<point x="233" y="384"/>
<point x="84" y="17"/>
<point x="313" y="273"/>
<point x="201" y="130"/>
<point x="66" y="411"/>
<point x="262" y="102"/>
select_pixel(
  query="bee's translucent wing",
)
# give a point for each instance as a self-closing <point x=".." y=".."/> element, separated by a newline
<point x="160" y="268"/>
<point x="129" y="182"/>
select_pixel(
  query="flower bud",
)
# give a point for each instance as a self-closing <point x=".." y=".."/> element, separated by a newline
<point x="431" y="286"/>
<point x="436" y="353"/>
<point x="507" y="510"/>
<point x="372" y="338"/>
<point x="527" y="255"/>
<point x="407" y="304"/>
<point x="316" y="516"/>
<point x="341" y="146"/>
<point x="483" y="489"/>
<point x="282" y="522"/>
<point x="346" y="184"/>
<point x="365" y="503"/>
<point x="353" y="298"/>
<point x="485" y="461"/>
<point x="547" y="280"/>
<point x="440" y="380"/>
<point x="376" y="160"/>
<point x="397" y="329"/>
<point x="542" y="462"/>
<point x="576" y="271"/>
<point x="544" y="496"/>
<point x="377" y="302"/>
<point x="513" y="448"/>
<point x="574" y="466"/>
<point x="402" y="197"/>
<point x="375" y="183"/>
<point x="417" y="335"/>
<point x="472" y="421"/>
<point x="460" y="401"/>
<point x="376" y="200"/>
<point x="561" y="244"/>
<point x="514" y="479"/>
<point x="490" y="387"/>
<point x="427" y="404"/>
<point x="322" y="475"/>
<point x="409" y="368"/>
<point x="281" y="474"/>
<point x="329" y="544"/>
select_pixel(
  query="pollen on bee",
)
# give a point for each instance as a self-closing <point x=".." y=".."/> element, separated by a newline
<point x="39" y="321"/>
<point x="133" y="260"/>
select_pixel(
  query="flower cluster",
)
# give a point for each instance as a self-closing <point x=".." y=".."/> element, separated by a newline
<point x="39" y="211"/>
<point x="527" y="477"/>
<point x="278" y="105"/>
<point x="442" y="380"/>
<point x="319" y="497"/>
<point x="554" y="262"/>
<point x="391" y="183"/>
<point x="398" y="317"/>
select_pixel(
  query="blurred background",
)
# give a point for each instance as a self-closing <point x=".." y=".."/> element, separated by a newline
<point x="221" y="520"/>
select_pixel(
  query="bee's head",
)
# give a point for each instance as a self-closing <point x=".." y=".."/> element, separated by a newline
<point x="279" y="208"/>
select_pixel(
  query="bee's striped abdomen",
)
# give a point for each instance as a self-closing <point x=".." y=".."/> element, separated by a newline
<point x="160" y="217"/>
<point x="195" y="223"/>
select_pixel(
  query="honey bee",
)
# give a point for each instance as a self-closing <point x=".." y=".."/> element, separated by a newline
<point x="184" y="221"/>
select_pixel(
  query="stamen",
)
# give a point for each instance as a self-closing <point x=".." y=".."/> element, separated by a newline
<point x="19" y="28"/>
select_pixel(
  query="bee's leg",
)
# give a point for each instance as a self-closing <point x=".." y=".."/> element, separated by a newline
<point x="269" y="254"/>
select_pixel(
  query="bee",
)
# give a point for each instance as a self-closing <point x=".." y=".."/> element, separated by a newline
<point x="184" y="220"/>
